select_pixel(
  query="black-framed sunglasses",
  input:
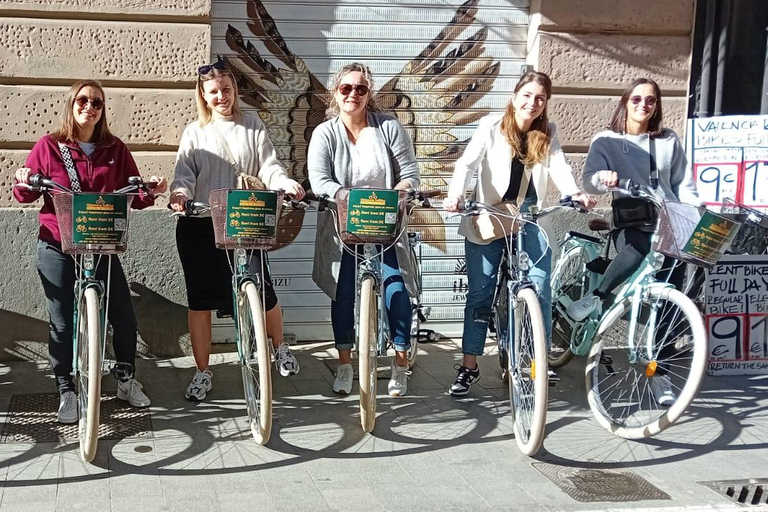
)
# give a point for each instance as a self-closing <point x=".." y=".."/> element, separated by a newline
<point x="220" y="64"/>
<point x="648" y="100"/>
<point x="96" y="103"/>
<point x="360" y="89"/>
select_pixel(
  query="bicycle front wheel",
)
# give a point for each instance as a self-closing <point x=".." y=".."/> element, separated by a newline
<point x="528" y="381"/>
<point x="89" y="372"/>
<point x="568" y="281"/>
<point x="368" y="335"/>
<point x="255" y="362"/>
<point x="667" y="344"/>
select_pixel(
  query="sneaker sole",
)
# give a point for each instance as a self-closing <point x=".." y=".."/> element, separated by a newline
<point x="458" y="393"/>
<point x="66" y="421"/>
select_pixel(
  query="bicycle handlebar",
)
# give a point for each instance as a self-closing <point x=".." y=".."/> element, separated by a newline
<point x="40" y="183"/>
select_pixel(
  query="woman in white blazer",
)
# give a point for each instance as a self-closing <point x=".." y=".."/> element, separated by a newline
<point x="513" y="156"/>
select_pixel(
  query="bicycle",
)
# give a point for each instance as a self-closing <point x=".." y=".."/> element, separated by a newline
<point x="371" y="327"/>
<point x="650" y="330"/>
<point x="77" y="214"/>
<point x="245" y="222"/>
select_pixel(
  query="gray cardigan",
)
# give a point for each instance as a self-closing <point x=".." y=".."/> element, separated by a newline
<point x="329" y="166"/>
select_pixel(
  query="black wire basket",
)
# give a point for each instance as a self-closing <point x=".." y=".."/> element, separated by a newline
<point x="752" y="238"/>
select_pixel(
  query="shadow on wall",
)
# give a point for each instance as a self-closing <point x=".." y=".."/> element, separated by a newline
<point x="22" y="337"/>
<point x="162" y="324"/>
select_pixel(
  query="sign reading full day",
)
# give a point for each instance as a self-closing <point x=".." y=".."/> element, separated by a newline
<point x="372" y="212"/>
<point x="736" y="314"/>
<point x="729" y="155"/>
<point x="99" y="218"/>
<point x="251" y="214"/>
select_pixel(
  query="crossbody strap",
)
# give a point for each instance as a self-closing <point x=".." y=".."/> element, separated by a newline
<point x="223" y="142"/>
<point x="654" y="167"/>
<point x="70" y="165"/>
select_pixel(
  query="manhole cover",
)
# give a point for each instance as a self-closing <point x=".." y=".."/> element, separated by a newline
<point x="588" y="485"/>
<point x="32" y="419"/>
<point x="750" y="492"/>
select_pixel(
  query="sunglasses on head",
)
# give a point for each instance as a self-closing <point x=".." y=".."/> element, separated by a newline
<point x="220" y="64"/>
<point x="96" y="103"/>
<point x="360" y="89"/>
<point x="648" y="100"/>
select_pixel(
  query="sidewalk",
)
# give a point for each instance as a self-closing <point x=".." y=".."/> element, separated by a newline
<point x="429" y="451"/>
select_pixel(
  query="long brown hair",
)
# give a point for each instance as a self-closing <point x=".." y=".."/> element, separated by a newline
<point x="69" y="131"/>
<point x="537" y="144"/>
<point x="204" y="114"/>
<point x="370" y="105"/>
<point x="619" y="119"/>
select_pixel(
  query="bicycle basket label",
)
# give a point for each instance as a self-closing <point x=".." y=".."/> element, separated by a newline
<point x="99" y="218"/>
<point x="251" y="214"/>
<point x="710" y="237"/>
<point x="372" y="212"/>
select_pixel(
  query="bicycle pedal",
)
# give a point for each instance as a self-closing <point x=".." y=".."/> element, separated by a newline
<point x="427" y="336"/>
<point x="607" y="361"/>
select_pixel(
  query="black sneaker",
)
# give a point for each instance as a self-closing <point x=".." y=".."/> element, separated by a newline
<point x="464" y="380"/>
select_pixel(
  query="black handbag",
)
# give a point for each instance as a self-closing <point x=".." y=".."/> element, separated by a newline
<point x="633" y="212"/>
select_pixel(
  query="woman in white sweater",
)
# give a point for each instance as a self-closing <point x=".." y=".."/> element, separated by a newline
<point x="513" y="156"/>
<point x="222" y="143"/>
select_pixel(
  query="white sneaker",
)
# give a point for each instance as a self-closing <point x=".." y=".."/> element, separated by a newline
<point x="201" y="384"/>
<point x="661" y="387"/>
<point x="130" y="391"/>
<point x="286" y="362"/>
<point x="398" y="383"/>
<point x="68" y="407"/>
<point x="344" y="376"/>
<point x="582" y="308"/>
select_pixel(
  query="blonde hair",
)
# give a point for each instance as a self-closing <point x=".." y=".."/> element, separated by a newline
<point x="537" y="144"/>
<point x="333" y="107"/>
<point x="69" y="131"/>
<point x="204" y="114"/>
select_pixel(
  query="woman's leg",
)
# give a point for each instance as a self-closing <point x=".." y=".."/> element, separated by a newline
<point x="535" y="244"/>
<point x="632" y="245"/>
<point x="122" y="317"/>
<point x="399" y="309"/>
<point x="343" y="309"/>
<point x="200" y="336"/>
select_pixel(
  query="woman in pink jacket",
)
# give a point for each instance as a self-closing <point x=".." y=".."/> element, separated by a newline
<point x="103" y="164"/>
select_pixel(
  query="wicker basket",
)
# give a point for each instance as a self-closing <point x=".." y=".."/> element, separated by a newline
<point x="218" y="201"/>
<point x="342" y="207"/>
<point x="62" y="203"/>
<point x="680" y="234"/>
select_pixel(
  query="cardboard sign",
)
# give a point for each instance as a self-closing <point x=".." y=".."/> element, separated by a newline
<point x="736" y="316"/>
<point x="99" y="218"/>
<point x="251" y="214"/>
<point x="372" y="212"/>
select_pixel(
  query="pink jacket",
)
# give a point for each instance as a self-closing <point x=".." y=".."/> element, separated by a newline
<point x="107" y="170"/>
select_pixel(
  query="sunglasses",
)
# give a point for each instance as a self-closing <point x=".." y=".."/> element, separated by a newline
<point x="360" y="89"/>
<point x="96" y="103"/>
<point x="220" y="64"/>
<point x="648" y="100"/>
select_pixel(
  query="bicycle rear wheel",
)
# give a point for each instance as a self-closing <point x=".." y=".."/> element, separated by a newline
<point x="669" y="344"/>
<point x="528" y="382"/>
<point x="415" y="326"/>
<point x="368" y="334"/>
<point x="89" y="372"/>
<point x="568" y="280"/>
<point x="255" y="362"/>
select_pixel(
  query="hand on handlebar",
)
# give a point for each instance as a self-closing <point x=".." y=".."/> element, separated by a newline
<point x="22" y="175"/>
<point x="585" y="200"/>
<point x="294" y="189"/>
<point x="178" y="201"/>
<point x="451" y="204"/>
<point x="608" y="178"/>
<point x="157" y="185"/>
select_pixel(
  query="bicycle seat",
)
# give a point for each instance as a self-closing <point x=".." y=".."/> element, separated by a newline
<point x="599" y="225"/>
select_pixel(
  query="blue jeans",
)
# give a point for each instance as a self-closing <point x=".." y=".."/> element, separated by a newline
<point x="398" y="303"/>
<point x="482" y="270"/>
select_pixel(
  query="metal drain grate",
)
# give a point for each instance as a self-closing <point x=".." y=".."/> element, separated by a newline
<point x="32" y="419"/>
<point x="590" y="485"/>
<point x="750" y="492"/>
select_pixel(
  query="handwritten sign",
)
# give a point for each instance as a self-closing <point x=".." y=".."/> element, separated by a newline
<point x="251" y="213"/>
<point x="99" y="218"/>
<point x="729" y="157"/>
<point x="736" y="315"/>
<point x="372" y="212"/>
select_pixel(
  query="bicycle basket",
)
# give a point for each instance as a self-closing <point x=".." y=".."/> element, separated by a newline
<point x="752" y="238"/>
<point x="245" y="219"/>
<point x="370" y="215"/>
<point x="93" y="223"/>
<point x="693" y="234"/>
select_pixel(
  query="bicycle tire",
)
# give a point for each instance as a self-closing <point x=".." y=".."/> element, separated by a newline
<point x="528" y="380"/>
<point x="501" y="325"/>
<point x="255" y="362"/>
<point x="414" y="349"/>
<point x="368" y="334"/>
<point x="89" y="372"/>
<point x="567" y="279"/>
<point x="619" y="384"/>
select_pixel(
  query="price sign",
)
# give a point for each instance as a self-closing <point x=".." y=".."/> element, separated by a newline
<point x="99" y="218"/>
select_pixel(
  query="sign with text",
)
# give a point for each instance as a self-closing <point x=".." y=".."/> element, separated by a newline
<point x="729" y="155"/>
<point x="736" y="315"/>
<point x="372" y="212"/>
<point x="99" y="218"/>
<point x="711" y="235"/>
<point x="251" y="213"/>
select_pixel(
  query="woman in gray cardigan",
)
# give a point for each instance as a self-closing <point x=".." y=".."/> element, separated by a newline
<point x="360" y="147"/>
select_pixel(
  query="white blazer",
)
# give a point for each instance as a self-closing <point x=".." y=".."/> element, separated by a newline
<point x="489" y="157"/>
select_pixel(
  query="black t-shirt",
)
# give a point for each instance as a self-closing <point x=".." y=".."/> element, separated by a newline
<point x="517" y="171"/>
